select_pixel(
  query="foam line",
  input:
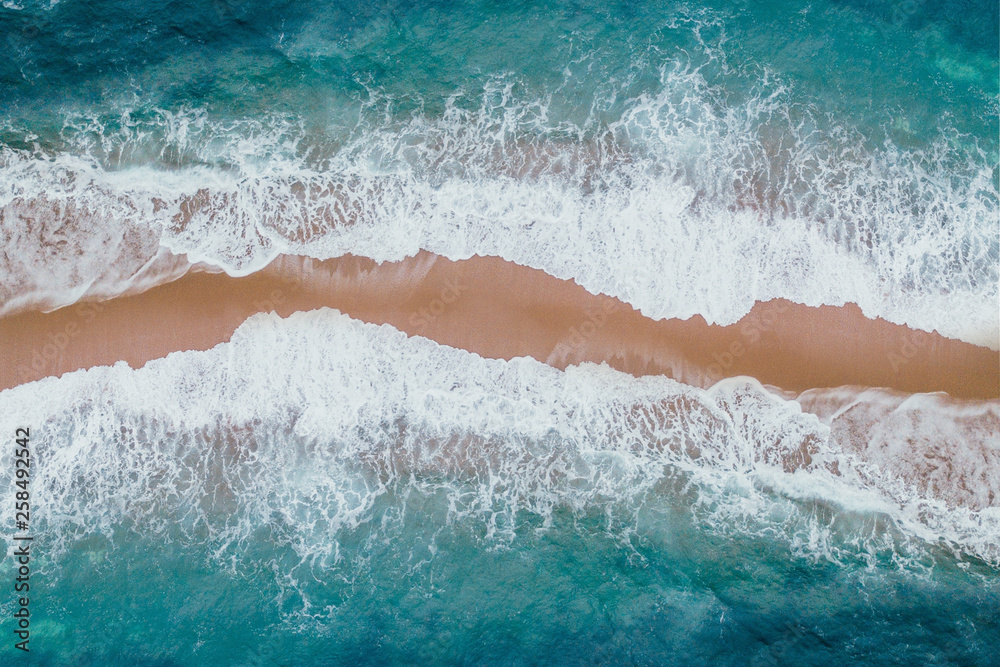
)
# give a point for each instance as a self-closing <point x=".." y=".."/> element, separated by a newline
<point x="679" y="207"/>
<point x="324" y="414"/>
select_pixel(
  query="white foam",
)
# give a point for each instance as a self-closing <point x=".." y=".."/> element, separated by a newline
<point x="948" y="449"/>
<point x="317" y="417"/>
<point x="682" y="206"/>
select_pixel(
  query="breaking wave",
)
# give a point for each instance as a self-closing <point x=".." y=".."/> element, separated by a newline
<point x="655" y="206"/>
<point x="319" y="419"/>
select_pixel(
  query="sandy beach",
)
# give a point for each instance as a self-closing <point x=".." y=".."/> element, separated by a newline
<point x="502" y="310"/>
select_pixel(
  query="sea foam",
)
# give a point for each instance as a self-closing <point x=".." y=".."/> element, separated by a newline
<point x="686" y="202"/>
<point x="317" y="417"/>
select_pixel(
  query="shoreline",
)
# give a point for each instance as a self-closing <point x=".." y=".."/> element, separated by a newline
<point x="502" y="310"/>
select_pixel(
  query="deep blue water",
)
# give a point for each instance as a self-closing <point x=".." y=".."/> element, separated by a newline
<point x="774" y="96"/>
<point x="907" y="68"/>
<point x="573" y="595"/>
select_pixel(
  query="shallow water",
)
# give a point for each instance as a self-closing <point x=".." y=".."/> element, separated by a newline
<point x="325" y="492"/>
<point x="322" y="491"/>
<point x="833" y="153"/>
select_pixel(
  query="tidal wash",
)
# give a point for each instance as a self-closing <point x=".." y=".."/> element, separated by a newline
<point x="319" y="491"/>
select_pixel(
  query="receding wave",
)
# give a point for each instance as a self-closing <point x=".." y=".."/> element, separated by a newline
<point x="319" y="418"/>
<point x="656" y="207"/>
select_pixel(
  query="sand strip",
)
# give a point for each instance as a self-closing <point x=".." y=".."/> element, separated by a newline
<point x="502" y="310"/>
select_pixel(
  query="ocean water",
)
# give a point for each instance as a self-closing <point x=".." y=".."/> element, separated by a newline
<point x="834" y="152"/>
<point x="323" y="492"/>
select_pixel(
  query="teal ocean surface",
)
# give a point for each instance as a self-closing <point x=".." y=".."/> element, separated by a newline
<point x="324" y="492"/>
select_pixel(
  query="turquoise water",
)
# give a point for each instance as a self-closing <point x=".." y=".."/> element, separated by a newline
<point x="326" y="492"/>
<point x="684" y="158"/>
<point x="863" y="139"/>
<point x="575" y="593"/>
<point x="906" y="68"/>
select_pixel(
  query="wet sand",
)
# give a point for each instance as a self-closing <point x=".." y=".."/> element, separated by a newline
<point x="502" y="310"/>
